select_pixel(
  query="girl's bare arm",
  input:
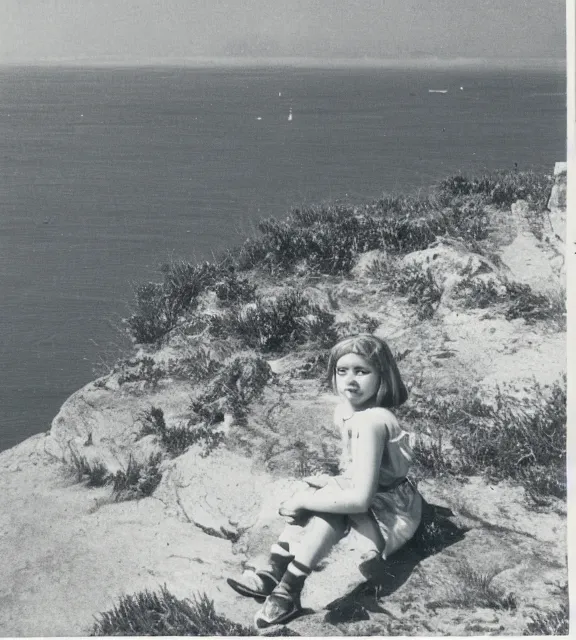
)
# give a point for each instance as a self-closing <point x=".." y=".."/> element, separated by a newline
<point x="358" y="495"/>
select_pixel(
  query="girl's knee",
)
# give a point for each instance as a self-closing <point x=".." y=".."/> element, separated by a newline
<point x="334" y="521"/>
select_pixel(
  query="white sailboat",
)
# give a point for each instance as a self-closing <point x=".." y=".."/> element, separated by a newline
<point x="290" y="115"/>
<point x="437" y="90"/>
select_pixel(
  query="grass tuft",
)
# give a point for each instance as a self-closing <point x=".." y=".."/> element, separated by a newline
<point x="411" y="281"/>
<point x="236" y="385"/>
<point x="475" y="589"/>
<point x="517" y="299"/>
<point x="195" y="367"/>
<point x="94" y="473"/>
<point x="520" y="437"/>
<point x="138" y="480"/>
<point x="177" y="439"/>
<point x="144" y="369"/>
<point x="277" y="323"/>
<point x="501" y="188"/>
<point x="159" y="306"/>
<point x="552" y="623"/>
<point x="162" y="614"/>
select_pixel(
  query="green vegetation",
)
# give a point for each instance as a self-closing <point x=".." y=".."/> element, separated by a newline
<point x="551" y="623"/>
<point x="93" y="473"/>
<point x="137" y="480"/>
<point x="236" y="385"/>
<point x="326" y="239"/>
<point x="521" y="436"/>
<point x="197" y="366"/>
<point x="475" y="589"/>
<point x="502" y="188"/>
<point x="160" y="306"/>
<point x="410" y="281"/>
<point x="276" y="324"/>
<point x="162" y="614"/>
<point x="517" y="299"/>
<point x="177" y="439"/>
<point x="144" y="369"/>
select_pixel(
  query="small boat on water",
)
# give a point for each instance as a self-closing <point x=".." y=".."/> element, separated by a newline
<point x="437" y="90"/>
<point x="290" y="115"/>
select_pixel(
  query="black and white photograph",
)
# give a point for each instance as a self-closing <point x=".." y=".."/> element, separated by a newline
<point x="284" y="324"/>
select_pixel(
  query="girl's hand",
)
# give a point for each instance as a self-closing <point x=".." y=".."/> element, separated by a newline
<point x="292" y="508"/>
<point x="319" y="481"/>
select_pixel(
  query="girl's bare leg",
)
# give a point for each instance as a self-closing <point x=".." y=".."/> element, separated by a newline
<point x="372" y="544"/>
<point x="321" y="533"/>
<point x="372" y="540"/>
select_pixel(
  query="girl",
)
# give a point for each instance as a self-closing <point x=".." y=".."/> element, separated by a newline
<point x="372" y="494"/>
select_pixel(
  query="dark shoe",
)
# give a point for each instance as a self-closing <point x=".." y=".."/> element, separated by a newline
<point x="254" y="584"/>
<point x="280" y="607"/>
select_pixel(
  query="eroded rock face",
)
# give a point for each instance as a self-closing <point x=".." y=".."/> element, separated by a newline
<point x="451" y="264"/>
<point x="557" y="201"/>
<point x="534" y="261"/>
<point x="449" y="260"/>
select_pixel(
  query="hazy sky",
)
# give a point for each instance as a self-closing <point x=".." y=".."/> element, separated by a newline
<point x="32" y="30"/>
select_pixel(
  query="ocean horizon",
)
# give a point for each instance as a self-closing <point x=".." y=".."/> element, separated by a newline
<point x="410" y="62"/>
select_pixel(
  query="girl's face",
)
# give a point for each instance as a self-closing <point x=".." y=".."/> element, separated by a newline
<point x="357" y="380"/>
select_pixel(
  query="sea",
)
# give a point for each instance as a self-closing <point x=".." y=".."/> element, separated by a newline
<point x="107" y="173"/>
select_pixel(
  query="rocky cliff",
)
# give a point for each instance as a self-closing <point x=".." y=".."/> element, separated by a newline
<point x="487" y="328"/>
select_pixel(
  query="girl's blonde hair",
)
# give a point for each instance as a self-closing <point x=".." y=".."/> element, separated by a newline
<point x="391" y="392"/>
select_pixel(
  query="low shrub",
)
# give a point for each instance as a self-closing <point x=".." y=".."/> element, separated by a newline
<point x="314" y="367"/>
<point x="519" y="300"/>
<point x="150" y="320"/>
<point x="418" y="286"/>
<point x="195" y="367"/>
<point x="480" y="294"/>
<point x="236" y="385"/>
<point x="159" y="306"/>
<point x="533" y="306"/>
<point x="475" y="589"/>
<point x="143" y="370"/>
<point x="177" y="439"/>
<point x="358" y="323"/>
<point x="413" y="223"/>
<point x="93" y="473"/>
<point x="162" y="614"/>
<point x="138" y="480"/>
<point x="276" y="324"/>
<point x="469" y="219"/>
<point x="551" y="623"/>
<point x="433" y="457"/>
<point x="523" y="439"/>
<point x="326" y="237"/>
<point x="518" y="438"/>
<point x="308" y="461"/>
<point x="501" y="188"/>
<point x="297" y="457"/>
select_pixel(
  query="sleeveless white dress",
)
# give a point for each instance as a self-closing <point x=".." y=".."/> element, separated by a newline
<point x="397" y="504"/>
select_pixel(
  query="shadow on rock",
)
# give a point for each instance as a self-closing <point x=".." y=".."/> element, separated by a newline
<point x="435" y="533"/>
